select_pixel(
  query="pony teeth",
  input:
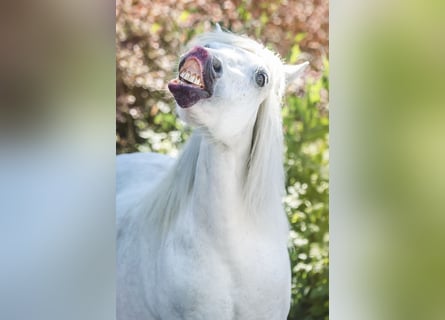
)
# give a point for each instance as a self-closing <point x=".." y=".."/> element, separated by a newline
<point x="192" y="78"/>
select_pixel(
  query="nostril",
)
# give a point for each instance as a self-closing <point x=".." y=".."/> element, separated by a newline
<point x="217" y="66"/>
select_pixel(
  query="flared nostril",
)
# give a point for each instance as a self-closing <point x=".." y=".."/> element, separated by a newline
<point x="217" y="66"/>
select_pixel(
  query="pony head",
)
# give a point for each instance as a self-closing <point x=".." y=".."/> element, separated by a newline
<point x="231" y="86"/>
<point x="224" y="79"/>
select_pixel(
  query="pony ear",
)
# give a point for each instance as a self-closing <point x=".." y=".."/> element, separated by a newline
<point x="218" y="27"/>
<point x="292" y="72"/>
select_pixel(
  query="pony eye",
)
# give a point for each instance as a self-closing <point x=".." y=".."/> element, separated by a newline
<point x="261" y="78"/>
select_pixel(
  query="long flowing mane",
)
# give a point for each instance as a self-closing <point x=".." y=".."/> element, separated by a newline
<point x="264" y="179"/>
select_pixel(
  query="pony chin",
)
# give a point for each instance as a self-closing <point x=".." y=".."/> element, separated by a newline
<point x="197" y="115"/>
<point x="206" y="115"/>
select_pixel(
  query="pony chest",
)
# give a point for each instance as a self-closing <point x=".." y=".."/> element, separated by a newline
<point x="260" y="273"/>
<point x="233" y="280"/>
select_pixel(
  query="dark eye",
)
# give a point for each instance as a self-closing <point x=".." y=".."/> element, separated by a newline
<point x="216" y="64"/>
<point x="261" y="78"/>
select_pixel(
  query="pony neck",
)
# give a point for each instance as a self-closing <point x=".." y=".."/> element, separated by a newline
<point x="220" y="175"/>
<point x="219" y="187"/>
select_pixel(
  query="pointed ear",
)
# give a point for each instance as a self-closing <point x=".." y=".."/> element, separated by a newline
<point x="217" y="27"/>
<point x="294" y="71"/>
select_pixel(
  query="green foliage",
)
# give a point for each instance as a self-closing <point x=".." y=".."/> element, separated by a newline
<point x="306" y="126"/>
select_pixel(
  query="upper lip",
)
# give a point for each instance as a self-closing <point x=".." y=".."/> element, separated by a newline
<point x="191" y="71"/>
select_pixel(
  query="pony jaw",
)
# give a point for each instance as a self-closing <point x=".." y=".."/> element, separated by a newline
<point x="195" y="80"/>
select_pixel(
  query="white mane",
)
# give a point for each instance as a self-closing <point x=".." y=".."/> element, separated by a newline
<point x="264" y="180"/>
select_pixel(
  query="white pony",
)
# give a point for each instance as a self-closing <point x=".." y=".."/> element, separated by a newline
<point x="204" y="237"/>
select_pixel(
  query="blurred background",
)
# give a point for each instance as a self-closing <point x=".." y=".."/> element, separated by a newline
<point x="386" y="131"/>
<point x="149" y="39"/>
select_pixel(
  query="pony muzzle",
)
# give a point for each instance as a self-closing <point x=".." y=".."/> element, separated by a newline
<point x="197" y="73"/>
